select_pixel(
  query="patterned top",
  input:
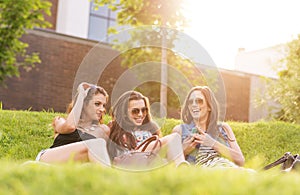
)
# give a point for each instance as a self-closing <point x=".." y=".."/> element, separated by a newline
<point x="140" y="134"/>
<point x="189" y="129"/>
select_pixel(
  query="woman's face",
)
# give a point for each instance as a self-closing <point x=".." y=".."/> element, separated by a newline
<point x="95" y="108"/>
<point x="137" y="111"/>
<point x="197" y="105"/>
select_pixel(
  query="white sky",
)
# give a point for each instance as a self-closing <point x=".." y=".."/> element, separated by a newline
<point x="223" y="26"/>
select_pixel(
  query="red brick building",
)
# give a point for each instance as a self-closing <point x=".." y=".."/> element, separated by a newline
<point x="49" y="85"/>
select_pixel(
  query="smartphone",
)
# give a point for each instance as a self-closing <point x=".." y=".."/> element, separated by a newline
<point x="194" y="130"/>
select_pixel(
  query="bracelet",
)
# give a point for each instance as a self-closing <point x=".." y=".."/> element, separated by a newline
<point x="213" y="143"/>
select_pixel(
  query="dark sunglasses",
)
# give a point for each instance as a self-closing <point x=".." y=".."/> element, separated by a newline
<point x="136" y="111"/>
<point x="196" y="100"/>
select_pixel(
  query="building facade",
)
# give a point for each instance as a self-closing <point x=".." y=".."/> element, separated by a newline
<point x="63" y="48"/>
<point x="262" y="62"/>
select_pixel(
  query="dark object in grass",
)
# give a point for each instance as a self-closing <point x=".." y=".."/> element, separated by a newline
<point x="289" y="162"/>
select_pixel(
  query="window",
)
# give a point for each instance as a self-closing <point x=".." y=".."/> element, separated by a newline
<point x="99" y="21"/>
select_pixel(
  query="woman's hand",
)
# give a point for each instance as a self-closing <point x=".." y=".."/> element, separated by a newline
<point x="189" y="145"/>
<point x="57" y="121"/>
<point x="204" y="139"/>
<point x="83" y="88"/>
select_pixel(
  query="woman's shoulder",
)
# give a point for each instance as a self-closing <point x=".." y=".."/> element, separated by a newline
<point x="105" y="128"/>
<point x="183" y="128"/>
<point x="152" y="126"/>
<point x="222" y="124"/>
<point x="225" y="127"/>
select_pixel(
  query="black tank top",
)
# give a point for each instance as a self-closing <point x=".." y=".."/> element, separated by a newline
<point x="76" y="136"/>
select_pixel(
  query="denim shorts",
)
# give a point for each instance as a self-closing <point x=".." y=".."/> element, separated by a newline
<point x="38" y="157"/>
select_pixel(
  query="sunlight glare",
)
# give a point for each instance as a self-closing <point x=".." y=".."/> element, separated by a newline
<point x="222" y="27"/>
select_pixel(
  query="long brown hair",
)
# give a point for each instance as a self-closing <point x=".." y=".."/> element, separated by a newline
<point x="212" y="103"/>
<point x="121" y="125"/>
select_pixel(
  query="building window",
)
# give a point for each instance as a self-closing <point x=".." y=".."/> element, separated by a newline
<point x="99" y="21"/>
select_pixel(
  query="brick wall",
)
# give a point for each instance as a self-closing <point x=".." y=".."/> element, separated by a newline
<point x="49" y="85"/>
<point x="237" y="86"/>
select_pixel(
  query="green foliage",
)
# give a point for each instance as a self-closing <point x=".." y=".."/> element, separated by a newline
<point x="16" y="16"/>
<point x="147" y="12"/>
<point x="24" y="133"/>
<point x="142" y="47"/>
<point x="266" y="140"/>
<point x="168" y="124"/>
<point x="285" y="90"/>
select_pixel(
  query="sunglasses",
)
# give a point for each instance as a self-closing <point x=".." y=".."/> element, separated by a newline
<point x="198" y="101"/>
<point x="136" y="111"/>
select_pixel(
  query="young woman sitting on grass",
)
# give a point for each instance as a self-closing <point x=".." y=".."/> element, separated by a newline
<point x="205" y="141"/>
<point x="132" y="124"/>
<point x="81" y="137"/>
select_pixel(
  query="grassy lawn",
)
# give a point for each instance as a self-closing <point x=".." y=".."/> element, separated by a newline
<point x="23" y="134"/>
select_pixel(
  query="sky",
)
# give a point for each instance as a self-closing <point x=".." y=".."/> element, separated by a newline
<point x="224" y="26"/>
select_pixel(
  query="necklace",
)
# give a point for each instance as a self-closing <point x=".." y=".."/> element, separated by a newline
<point x="92" y="128"/>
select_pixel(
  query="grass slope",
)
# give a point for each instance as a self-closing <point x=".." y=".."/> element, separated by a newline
<point x="23" y="134"/>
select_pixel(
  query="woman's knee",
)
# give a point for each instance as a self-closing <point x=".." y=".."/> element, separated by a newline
<point x="173" y="137"/>
<point x="96" y="142"/>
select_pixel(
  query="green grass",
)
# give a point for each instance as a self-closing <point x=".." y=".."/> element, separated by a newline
<point x="93" y="179"/>
<point x="24" y="133"/>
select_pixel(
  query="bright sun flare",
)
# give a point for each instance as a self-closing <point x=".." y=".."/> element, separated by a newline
<point x="222" y="27"/>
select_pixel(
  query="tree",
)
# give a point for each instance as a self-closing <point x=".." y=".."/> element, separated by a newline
<point x="159" y="13"/>
<point x="16" y="16"/>
<point x="147" y="12"/>
<point x="286" y="90"/>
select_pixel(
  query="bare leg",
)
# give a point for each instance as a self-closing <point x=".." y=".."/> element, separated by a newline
<point x="174" y="148"/>
<point x="97" y="151"/>
<point x="93" y="150"/>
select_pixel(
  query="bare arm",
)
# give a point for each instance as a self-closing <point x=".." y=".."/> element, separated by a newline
<point x="106" y="129"/>
<point x="68" y="125"/>
<point x="233" y="152"/>
<point x="60" y="125"/>
<point x="102" y="131"/>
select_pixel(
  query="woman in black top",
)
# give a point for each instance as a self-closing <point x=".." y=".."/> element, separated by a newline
<point x="81" y="137"/>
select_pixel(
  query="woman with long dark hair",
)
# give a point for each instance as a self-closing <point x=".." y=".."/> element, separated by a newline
<point x="205" y="140"/>
<point x="132" y="124"/>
